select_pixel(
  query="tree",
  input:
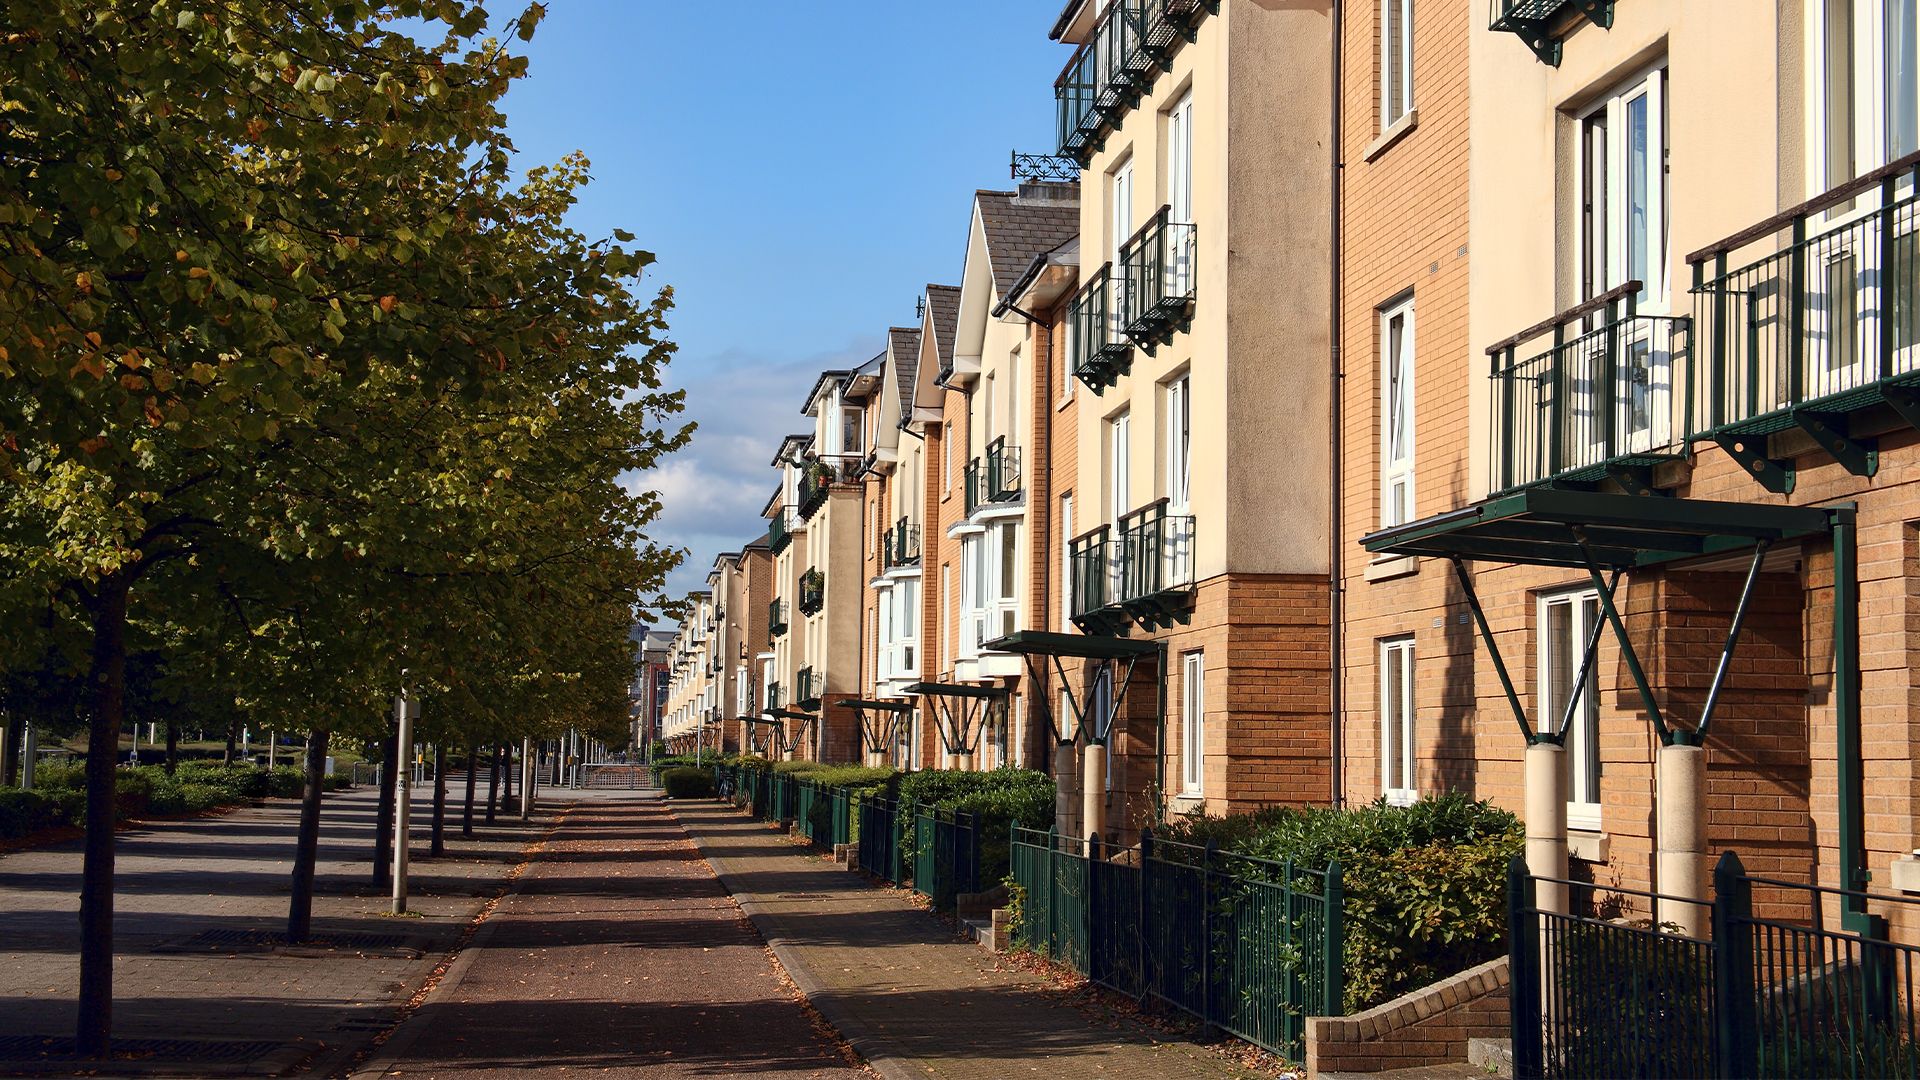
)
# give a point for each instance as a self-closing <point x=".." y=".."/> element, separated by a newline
<point x="241" y="244"/>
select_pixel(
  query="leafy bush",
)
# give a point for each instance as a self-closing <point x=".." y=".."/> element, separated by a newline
<point x="60" y="775"/>
<point x="195" y="798"/>
<point x="688" y="783"/>
<point x="287" y="782"/>
<point x="336" y="782"/>
<point x="1425" y="884"/>
<point x="998" y="799"/>
<point x="26" y="812"/>
<point x="855" y="777"/>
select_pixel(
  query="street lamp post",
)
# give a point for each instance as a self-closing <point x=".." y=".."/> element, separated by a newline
<point x="404" y="712"/>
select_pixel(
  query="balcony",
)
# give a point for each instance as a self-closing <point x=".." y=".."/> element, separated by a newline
<point x="807" y="689"/>
<point x="1144" y="577"/>
<point x="1045" y="168"/>
<point x="776" y="620"/>
<point x="773" y="696"/>
<point x="1100" y="354"/>
<point x="1534" y="21"/>
<point x="780" y="530"/>
<point x="1108" y="76"/>
<point x="994" y="479"/>
<point x="819" y="474"/>
<point x="813" y="592"/>
<point x="1820" y="332"/>
<point x="1156" y="282"/>
<point x="900" y="546"/>
<point x="1594" y="407"/>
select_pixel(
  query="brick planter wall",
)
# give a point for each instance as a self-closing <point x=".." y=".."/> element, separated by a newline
<point x="1430" y="1026"/>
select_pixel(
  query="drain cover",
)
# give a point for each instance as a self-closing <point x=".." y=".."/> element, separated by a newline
<point x="35" y="1048"/>
<point x="216" y="941"/>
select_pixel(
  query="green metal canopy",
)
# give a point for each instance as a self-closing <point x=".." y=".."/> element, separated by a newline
<point x="878" y="730"/>
<point x="1545" y="526"/>
<point x="961" y="731"/>
<point x="1087" y="646"/>
<point x="864" y="703"/>
<point x="965" y="690"/>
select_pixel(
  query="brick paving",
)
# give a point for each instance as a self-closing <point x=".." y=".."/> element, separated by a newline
<point x="619" y="955"/>
<point x="176" y="879"/>
<point x="913" y="997"/>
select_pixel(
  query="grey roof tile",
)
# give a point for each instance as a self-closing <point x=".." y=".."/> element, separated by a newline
<point x="943" y="309"/>
<point x="1018" y="229"/>
<point x="904" y="343"/>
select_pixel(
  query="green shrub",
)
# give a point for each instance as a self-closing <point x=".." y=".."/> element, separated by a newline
<point x="60" y="775"/>
<point x="25" y="812"/>
<point x="336" y="782"/>
<point x="195" y="798"/>
<point x="287" y="782"/>
<point x="688" y="783"/>
<point x="998" y="799"/>
<point x="131" y="793"/>
<point x="1425" y="884"/>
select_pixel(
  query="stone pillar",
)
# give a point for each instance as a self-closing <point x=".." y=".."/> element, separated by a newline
<point x="1546" y="766"/>
<point x="29" y="755"/>
<point x="1681" y="790"/>
<point x="1093" y="790"/>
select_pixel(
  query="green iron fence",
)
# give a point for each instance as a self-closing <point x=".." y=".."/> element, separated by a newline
<point x="1247" y="945"/>
<point x="946" y="854"/>
<point x="1156" y="277"/>
<point x="881" y="825"/>
<point x="1099" y="353"/>
<point x="1599" y="992"/>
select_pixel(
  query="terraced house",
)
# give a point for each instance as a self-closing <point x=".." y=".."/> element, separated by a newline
<point x="895" y="470"/>
<point x="691" y="717"/>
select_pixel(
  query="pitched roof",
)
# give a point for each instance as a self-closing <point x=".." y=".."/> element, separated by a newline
<point x="904" y="343"/>
<point x="1019" y="228"/>
<point x="943" y="308"/>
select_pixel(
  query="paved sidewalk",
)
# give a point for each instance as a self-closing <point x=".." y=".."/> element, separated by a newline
<point x="910" y="995"/>
<point x="177" y="882"/>
<point x="617" y="955"/>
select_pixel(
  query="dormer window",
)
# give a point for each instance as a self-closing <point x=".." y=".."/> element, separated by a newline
<point x="850" y="431"/>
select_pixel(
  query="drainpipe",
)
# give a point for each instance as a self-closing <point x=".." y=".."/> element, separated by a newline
<point x="1335" y="373"/>
<point x="1846" y="709"/>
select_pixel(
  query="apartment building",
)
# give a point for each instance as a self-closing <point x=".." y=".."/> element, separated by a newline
<point x="740" y="583"/>
<point x="992" y="522"/>
<point x="1626" y="508"/>
<point x="1198" y="335"/>
<point x="895" y="471"/>
<point x="690" y="719"/>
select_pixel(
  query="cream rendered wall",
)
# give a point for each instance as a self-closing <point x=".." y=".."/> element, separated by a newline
<point x="1258" y="346"/>
<point x="1723" y="113"/>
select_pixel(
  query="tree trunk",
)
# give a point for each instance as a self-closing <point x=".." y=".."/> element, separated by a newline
<point x="383" y="820"/>
<point x="93" y="1036"/>
<point x="306" y="848"/>
<point x="439" y="847"/>
<point x="173" y="748"/>
<point x="493" y="781"/>
<point x="507" y="805"/>
<point x="10" y="765"/>
<point x="473" y="768"/>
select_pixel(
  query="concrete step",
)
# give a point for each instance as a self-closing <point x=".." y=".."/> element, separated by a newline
<point x="1494" y="1055"/>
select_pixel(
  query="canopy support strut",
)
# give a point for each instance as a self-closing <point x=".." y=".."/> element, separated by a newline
<point x="1493" y="650"/>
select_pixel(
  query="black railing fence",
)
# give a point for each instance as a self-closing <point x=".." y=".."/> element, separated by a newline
<point x="1610" y="990"/>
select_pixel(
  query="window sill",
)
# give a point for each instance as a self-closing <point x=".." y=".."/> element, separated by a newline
<point x="1063" y="403"/>
<point x="1388" y="569"/>
<point x="1394" y="133"/>
<point x="1587" y="846"/>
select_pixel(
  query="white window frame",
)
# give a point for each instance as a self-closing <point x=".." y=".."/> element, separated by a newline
<point x="906" y="626"/>
<point x="1119" y="462"/>
<point x="1603" y="155"/>
<point x="1396" y="61"/>
<point x="1399" y="735"/>
<point x="1397" y="373"/>
<point x="1871" y="113"/>
<point x="1120" y="197"/>
<point x="1066" y="563"/>
<point x="1179" y="443"/>
<point x="1180" y="160"/>
<point x="1553" y="654"/>
<point x="1193" y="723"/>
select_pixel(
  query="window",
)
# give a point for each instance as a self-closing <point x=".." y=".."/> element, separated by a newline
<point x="1396" y="415"/>
<point x="1567" y="622"/>
<point x="850" y="431"/>
<point x="1119" y="452"/>
<point x="1100" y="719"/>
<point x="973" y="574"/>
<point x="883" y="635"/>
<point x="1066" y="564"/>
<point x="1121" y="189"/>
<point x="1398" y="778"/>
<point x="1004" y="619"/>
<point x="1193" y="727"/>
<point x="946" y="455"/>
<point x="946" y="586"/>
<point x="990" y="585"/>
<point x="1180" y="160"/>
<point x="1871" y="109"/>
<point x="906" y="622"/>
<point x="1396" y="60"/>
<point x="1179" y="442"/>
<point x="1623" y="169"/>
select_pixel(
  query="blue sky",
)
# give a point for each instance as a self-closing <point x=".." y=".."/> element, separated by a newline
<point x="802" y="170"/>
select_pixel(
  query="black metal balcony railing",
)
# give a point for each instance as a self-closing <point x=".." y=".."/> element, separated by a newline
<point x="819" y="474"/>
<point x="994" y="478"/>
<point x="806" y="690"/>
<point x="1046" y="168"/>
<point x="1156" y="281"/>
<point x="1154" y="578"/>
<point x="1530" y="19"/>
<point x="1109" y="74"/>
<point x="773" y="695"/>
<point x="780" y="530"/>
<point x="1596" y="406"/>
<point x="776" y="619"/>
<point x="901" y="545"/>
<point x="813" y="592"/>
<point x="1091" y="558"/>
<point x="1099" y="352"/>
<point x="1824" y="323"/>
